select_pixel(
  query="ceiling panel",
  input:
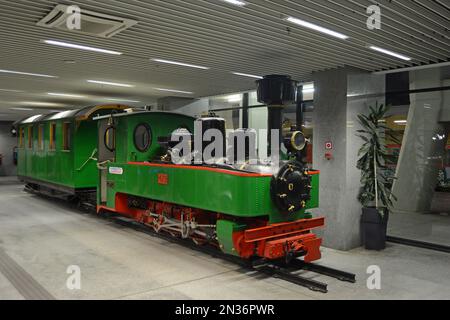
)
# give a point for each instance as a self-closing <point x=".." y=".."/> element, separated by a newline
<point x="253" y="39"/>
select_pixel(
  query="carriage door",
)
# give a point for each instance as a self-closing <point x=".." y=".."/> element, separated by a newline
<point x="106" y="154"/>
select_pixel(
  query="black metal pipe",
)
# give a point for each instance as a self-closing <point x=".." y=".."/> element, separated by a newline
<point x="300" y="117"/>
<point x="245" y="103"/>
<point x="299" y="114"/>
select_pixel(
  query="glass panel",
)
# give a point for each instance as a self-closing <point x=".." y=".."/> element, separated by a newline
<point x="422" y="183"/>
<point x="30" y="137"/>
<point x="67" y="136"/>
<point x="52" y="144"/>
<point x="110" y="139"/>
<point x="142" y="137"/>
<point x="41" y="137"/>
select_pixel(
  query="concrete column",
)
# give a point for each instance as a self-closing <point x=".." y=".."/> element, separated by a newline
<point x="336" y="105"/>
<point x="7" y="143"/>
<point x="422" y="149"/>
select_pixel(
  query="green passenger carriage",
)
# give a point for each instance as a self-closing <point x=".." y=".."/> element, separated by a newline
<point x="56" y="152"/>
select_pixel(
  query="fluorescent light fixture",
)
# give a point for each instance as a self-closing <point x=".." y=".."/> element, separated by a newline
<point x="247" y="75"/>
<point x="42" y="104"/>
<point x="236" y="2"/>
<point x="21" y="109"/>
<point x="77" y="46"/>
<point x="64" y="95"/>
<point x="235" y="98"/>
<point x="176" y="91"/>
<point x="10" y="90"/>
<point x="180" y="64"/>
<point x="400" y="121"/>
<point x="315" y="27"/>
<point x="122" y="100"/>
<point x="27" y="73"/>
<point x="400" y="56"/>
<point x="111" y="83"/>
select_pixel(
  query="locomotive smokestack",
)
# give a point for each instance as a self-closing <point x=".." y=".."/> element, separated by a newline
<point x="276" y="91"/>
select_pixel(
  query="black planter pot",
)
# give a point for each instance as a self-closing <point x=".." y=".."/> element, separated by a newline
<point x="374" y="228"/>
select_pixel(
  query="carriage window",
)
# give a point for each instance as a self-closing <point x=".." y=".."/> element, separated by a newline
<point x="67" y="135"/>
<point x="52" y="144"/>
<point x="142" y="137"/>
<point x="30" y="137"/>
<point x="110" y="139"/>
<point x="21" y="137"/>
<point x="41" y="137"/>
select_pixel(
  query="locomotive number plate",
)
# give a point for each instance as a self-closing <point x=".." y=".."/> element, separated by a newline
<point x="163" y="178"/>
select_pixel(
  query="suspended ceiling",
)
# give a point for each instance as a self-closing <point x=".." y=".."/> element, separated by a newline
<point x="253" y="39"/>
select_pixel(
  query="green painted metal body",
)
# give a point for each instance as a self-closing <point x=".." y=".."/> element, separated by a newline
<point x="222" y="191"/>
<point x="225" y="230"/>
<point x="215" y="191"/>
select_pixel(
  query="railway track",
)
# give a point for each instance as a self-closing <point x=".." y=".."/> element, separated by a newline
<point x="278" y="269"/>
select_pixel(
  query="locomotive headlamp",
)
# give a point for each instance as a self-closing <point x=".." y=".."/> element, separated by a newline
<point x="298" y="141"/>
<point x="295" y="141"/>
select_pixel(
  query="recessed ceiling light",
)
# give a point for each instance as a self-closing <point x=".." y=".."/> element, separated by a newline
<point x="77" y="46"/>
<point x="10" y="90"/>
<point x="315" y="27"/>
<point x="238" y="3"/>
<point x="180" y="64"/>
<point x="64" y="95"/>
<point x="28" y="73"/>
<point x="122" y="100"/>
<point x="170" y="90"/>
<point x="391" y="53"/>
<point x="247" y="75"/>
<point x="21" y="109"/>
<point x="401" y="121"/>
<point x="111" y="83"/>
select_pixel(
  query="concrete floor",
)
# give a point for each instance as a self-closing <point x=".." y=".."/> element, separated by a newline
<point x="39" y="239"/>
<point x="431" y="227"/>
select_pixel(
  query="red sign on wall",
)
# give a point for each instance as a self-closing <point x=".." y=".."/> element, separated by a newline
<point x="163" y="178"/>
<point x="328" y="145"/>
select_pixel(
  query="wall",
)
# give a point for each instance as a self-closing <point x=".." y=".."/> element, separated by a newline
<point x="7" y="143"/>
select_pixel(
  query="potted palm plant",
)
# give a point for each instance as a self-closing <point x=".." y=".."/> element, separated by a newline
<point x="376" y="184"/>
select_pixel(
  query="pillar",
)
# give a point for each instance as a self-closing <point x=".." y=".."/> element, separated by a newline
<point x="340" y="95"/>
